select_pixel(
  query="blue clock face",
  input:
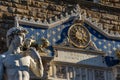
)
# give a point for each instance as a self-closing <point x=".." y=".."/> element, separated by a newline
<point x="79" y="36"/>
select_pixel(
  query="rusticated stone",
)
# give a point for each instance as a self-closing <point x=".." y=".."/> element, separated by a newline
<point x="115" y="28"/>
<point x="32" y="13"/>
<point x="85" y="11"/>
<point x="41" y="15"/>
<point x="24" y="2"/>
<point x="115" y="22"/>
<point x="43" y="5"/>
<point x="50" y="12"/>
<point x="105" y="21"/>
<point x="96" y="15"/>
<point x="19" y="6"/>
<point x="11" y="9"/>
<point x="35" y="4"/>
<point x="114" y="0"/>
<point x="109" y="16"/>
<point x="42" y="0"/>
<point x="16" y="5"/>
<point x="96" y="19"/>
<point x="3" y="8"/>
<point x="58" y="8"/>
<point x="51" y="7"/>
<point x="7" y="3"/>
<point x="56" y="12"/>
<point x="117" y="4"/>
<point x="49" y="15"/>
<point x="26" y="12"/>
<point x="16" y="1"/>
<point x="44" y="11"/>
<point x="108" y="26"/>
<point x="119" y="23"/>
<point x="1" y="14"/>
<point x="19" y="11"/>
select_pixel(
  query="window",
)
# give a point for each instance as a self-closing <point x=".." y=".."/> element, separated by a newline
<point x="77" y="73"/>
<point x="61" y="72"/>
<point x="90" y="74"/>
<point x="99" y="75"/>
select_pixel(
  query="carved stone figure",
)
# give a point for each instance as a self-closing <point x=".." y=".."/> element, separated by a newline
<point x="15" y="64"/>
<point x="28" y="43"/>
<point x="45" y="44"/>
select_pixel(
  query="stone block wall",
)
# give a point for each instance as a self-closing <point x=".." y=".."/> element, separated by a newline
<point x="110" y="21"/>
<point x="114" y="3"/>
<point x="108" y="16"/>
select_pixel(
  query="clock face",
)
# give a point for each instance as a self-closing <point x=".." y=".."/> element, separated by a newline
<point x="79" y="36"/>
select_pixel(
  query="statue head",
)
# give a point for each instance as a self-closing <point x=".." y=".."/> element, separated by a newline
<point x="13" y="33"/>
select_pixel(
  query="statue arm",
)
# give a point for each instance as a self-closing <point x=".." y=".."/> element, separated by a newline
<point x="36" y="65"/>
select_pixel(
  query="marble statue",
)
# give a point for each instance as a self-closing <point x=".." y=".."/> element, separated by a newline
<point x="15" y="64"/>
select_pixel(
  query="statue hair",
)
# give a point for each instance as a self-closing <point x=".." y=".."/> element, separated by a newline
<point x="12" y="32"/>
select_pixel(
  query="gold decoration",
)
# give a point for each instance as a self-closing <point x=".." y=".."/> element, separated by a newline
<point x="79" y="35"/>
<point x="118" y="53"/>
<point x="43" y="46"/>
<point x="39" y="47"/>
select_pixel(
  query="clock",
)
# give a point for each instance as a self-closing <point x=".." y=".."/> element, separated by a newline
<point x="79" y="35"/>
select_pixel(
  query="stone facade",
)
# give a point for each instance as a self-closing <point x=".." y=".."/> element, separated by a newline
<point x="107" y="15"/>
<point x="106" y="12"/>
<point x="113" y="3"/>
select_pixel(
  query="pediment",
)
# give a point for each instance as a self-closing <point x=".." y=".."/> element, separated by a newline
<point x="57" y="31"/>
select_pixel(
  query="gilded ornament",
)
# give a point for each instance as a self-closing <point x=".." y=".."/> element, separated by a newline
<point x="79" y="35"/>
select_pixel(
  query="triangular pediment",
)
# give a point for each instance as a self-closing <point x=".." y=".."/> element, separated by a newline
<point x="57" y="31"/>
<point x="75" y="13"/>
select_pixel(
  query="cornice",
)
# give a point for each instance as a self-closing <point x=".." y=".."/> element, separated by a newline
<point x="79" y="50"/>
<point x="80" y="65"/>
